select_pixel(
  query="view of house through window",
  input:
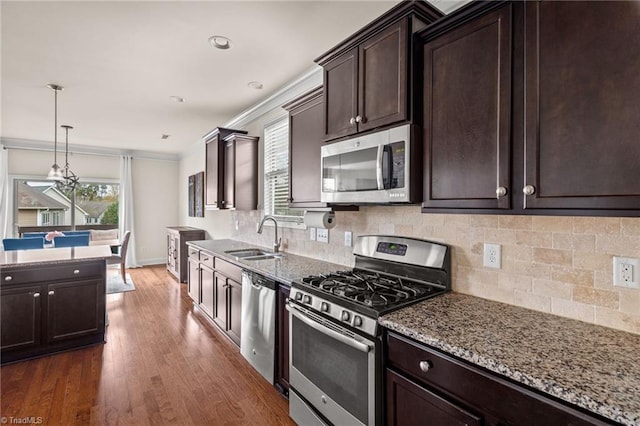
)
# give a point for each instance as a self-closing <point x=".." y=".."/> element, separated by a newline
<point x="43" y="204"/>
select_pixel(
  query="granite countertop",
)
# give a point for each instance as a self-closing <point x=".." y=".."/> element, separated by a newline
<point x="19" y="258"/>
<point x="284" y="269"/>
<point x="588" y="365"/>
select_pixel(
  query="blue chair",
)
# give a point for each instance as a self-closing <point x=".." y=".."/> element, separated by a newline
<point x="71" y="241"/>
<point x="34" y="234"/>
<point x="74" y="233"/>
<point x="23" y="243"/>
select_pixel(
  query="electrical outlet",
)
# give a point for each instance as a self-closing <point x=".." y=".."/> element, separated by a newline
<point x="625" y="272"/>
<point x="347" y="238"/>
<point x="322" y="235"/>
<point x="237" y="225"/>
<point x="492" y="256"/>
<point x="312" y="234"/>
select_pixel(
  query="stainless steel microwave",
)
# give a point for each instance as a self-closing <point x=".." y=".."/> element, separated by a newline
<point x="375" y="168"/>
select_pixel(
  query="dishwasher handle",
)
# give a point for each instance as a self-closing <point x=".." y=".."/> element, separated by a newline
<point x="258" y="281"/>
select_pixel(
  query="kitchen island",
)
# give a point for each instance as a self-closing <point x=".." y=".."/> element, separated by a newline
<point x="51" y="300"/>
<point x="588" y="366"/>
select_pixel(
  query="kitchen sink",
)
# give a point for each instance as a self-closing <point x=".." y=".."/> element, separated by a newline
<point x="253" y="254"/>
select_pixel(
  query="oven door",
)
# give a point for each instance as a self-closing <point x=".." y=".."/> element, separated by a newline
<point x="332" y="369"/>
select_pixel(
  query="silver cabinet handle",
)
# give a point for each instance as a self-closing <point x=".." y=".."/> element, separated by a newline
<point x="359" y="119"/>
<point x="205" y="259"/>
<point x="51" y="292"/>
<point x="352" y="121"/>
<point x="425" y="366"/>
<point x="8" y="278"/>
<point x="76" y="271"/>
<point x="529" y="190"/>
<point x="36" y="295"/>
<point x="501" y="191"/>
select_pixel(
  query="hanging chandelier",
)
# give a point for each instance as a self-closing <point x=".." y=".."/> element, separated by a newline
<point x="55" y="173"/>
<point x="69" y="179"/>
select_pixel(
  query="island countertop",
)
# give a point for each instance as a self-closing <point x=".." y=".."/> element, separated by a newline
<point x="591" y="366"/>
<point x="20" y="258"/>
<point x="284" y="269"/>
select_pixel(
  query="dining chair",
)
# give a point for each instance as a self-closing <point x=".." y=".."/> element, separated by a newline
<point x="71" y="241"/>
<point x="23" y="243"/>
<point x="74" y="233"/>
<point x="33" y="234"/>
<point x="121" y="258"/>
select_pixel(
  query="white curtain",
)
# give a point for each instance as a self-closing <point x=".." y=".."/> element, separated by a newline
<point x="5" y="206"/>
<point x="126" y="217"/>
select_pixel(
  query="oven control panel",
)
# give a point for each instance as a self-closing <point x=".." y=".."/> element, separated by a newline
<point x="342" y="315"/>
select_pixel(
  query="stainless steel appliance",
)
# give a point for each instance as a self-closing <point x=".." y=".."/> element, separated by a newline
<point x="374" y="168"/>
<point x="335" y="340"/>
<point x="258" y="330"/>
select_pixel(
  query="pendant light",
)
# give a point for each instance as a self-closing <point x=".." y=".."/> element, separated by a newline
<point x="69" y="179"/>
<point x="55" y="173"/>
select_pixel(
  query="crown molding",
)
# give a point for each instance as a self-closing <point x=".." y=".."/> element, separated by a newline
<point x="34" y="145"/>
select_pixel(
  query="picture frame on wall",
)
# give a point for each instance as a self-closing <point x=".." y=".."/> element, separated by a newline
<point x="196" y="195"/>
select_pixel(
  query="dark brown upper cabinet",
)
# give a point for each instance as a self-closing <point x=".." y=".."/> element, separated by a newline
<point x="535" y="100"/>
<point x="214" y="170"/>
<point x="467" y="119"/>
<point x="582" y="112"/>
<point x="368" y="79"/>
<point x="240" y="176"/>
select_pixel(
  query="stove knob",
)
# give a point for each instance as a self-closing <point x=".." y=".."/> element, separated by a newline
<point x="298" y="296"/>
<point x="324" y="307"/>
<point x="357" y="321"/>
<point x="345" y="316"/>
<point x="307" y="299"/>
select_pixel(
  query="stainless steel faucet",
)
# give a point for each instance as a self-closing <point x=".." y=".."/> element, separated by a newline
<point x="277" y="241"/>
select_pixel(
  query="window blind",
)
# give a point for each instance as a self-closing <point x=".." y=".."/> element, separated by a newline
<point x="276" y="172"/>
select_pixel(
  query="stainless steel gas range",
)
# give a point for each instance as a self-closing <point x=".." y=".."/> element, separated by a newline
<point x="335" y="340"/>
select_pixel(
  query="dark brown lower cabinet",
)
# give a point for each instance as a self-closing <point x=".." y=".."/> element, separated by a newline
<point x="220" y="300"/>
<point x="51" y="308"/>
<point x="428" y="387"/>
<point x="227" y="299"/>
<point x="234" y="305"/>
<point x="282" y="340"/>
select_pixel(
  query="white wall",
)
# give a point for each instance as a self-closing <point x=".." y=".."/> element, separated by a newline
<point x="155" y="188"/>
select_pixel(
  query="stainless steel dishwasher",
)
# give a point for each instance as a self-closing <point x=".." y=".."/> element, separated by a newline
<point x="258" y="330"/>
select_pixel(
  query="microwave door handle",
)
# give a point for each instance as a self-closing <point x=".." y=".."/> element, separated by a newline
<point x="387" y="157"/>
<point x="379" y="159"/>
<point x="329" y="332"/>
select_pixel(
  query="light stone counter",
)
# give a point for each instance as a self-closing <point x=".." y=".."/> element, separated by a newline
<point x="19" y="258"/>
<point x="594" y="367"/>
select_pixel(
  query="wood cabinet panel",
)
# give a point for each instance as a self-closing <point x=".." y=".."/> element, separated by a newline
<point x="234" y="307"/>
<point x="67" y="318"/>
<point x="193" y="281"/>
<point x="341" y="95"/>
<point x="282" y="341"/>
<point x="20" y="309"/>
<point x="220" y="300"/>
<point x="467" y="101"/>
<point x="215" y="166"/>
<point x="582" y="89"/>
<point x="207" y="291"/>
<point x="177" y="251"/>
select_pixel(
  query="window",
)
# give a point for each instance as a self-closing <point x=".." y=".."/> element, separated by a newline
<point x="276" y="173"/>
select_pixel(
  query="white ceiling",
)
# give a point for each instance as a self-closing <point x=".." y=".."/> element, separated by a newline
<point x="120" y="61"/>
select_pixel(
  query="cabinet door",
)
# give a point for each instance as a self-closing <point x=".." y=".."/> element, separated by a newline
<point x="411" y="405"/>
<point x="581" y="107"/>
<point x="213" y="170"/>
<point x="20" y="310"/>
<point x="234" y="294"/>
<point x="282" y="361"/>
<point x="245" y="173"/>
<point x="220" y="300"/>
<point x="383" y="65"/>
<point x="75" y="309"/>
<point x="467" y="102"/>
<point x="305" y="141"/>
<point x="228" y="199"/>
<point x="207" y="291"/>
<point x="341" y="95"/>
<point x="193" y="282"/>
<point x="172" y="253"/>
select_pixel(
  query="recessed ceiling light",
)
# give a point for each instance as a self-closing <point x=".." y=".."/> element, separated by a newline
<point x="164" y="136"/>
<point x="255" y="85"/>
<point x="220" y="42"/>
<point x="177" y="99"/>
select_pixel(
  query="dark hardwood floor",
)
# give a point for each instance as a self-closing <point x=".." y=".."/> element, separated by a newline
<point x="163" y="363"/>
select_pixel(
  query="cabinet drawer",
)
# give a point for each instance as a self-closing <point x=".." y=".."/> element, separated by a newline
<point x="53" y="273"/>
<point x="489" y="393"/>
<point x="229" y="269"/>
<point x="194" y="253"/>
<point x="206" y="259"/>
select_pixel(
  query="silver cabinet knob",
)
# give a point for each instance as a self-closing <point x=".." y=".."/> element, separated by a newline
<point x="529" y="190"/>
<point x="359" y="119"/>
<point x="501" y="191"/>
<point x="425" y="366"/>
<point x="51" y="292"/>
<point x="8" y="278"/>
<point x="76" y="271"/>
<point x="323" y="399"/>
<point x="36" y="295"/>
<point x="352" y="121"/>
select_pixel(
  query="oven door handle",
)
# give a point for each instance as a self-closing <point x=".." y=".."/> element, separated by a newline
<point x="329" y="332"/>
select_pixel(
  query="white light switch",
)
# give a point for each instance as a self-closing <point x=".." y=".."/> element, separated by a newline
<point x="322" y="235"/>
<point x="347" y="238"/>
